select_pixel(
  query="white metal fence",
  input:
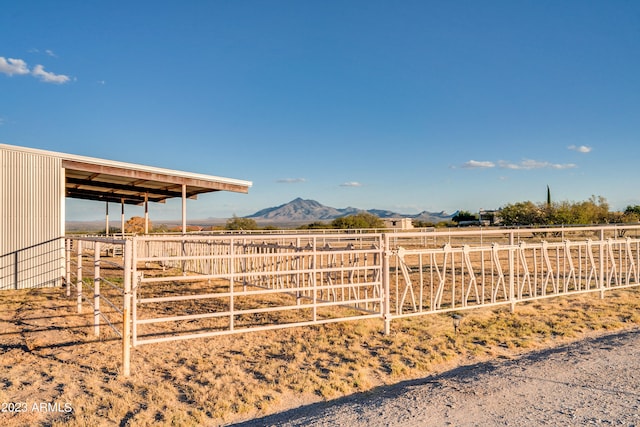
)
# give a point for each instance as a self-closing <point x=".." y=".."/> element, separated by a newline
<point x="232" y="284"/>
<point x="101" y="271"/>
<point x="451" y="278"/>
<point x="165" y="288"/>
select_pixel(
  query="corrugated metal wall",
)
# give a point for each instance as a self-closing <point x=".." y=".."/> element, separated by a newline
<point x="31" y="220"/>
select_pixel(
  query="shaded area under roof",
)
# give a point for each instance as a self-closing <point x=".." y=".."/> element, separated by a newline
<point x="111" y="181"/>
<point x="116" y="184"/>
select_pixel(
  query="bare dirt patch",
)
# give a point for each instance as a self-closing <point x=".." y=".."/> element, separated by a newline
<point x="56" y="372"/>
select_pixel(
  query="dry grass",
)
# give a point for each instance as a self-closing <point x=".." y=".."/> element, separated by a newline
<point x="50" y="356"/>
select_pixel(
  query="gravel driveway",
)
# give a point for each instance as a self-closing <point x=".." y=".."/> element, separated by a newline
<point x="591" y="382"/>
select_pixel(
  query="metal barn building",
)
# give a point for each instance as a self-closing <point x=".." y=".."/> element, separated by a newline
<point x="33" y="187"/>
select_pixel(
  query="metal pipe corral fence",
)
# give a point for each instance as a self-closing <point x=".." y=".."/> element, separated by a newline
<point x="160" y="288"/>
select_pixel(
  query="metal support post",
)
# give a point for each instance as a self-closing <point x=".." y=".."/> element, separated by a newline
<point x="67" y="256"/>
<point x="512" y="272"/>
<point x="136" y="277"/>
<point x="232" y="282"/>
<point x="386" y="286"/>
<point x="122" y="218"/>
<point x="184" y="208"/>
<point x="126" y="312"/>
<point x="602" y="275"/>
<point x="79" y="276"/>
<point x="146" y="213"/>
<point x="96" y="289"/>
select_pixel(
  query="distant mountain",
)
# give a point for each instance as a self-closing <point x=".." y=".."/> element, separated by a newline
<point x="385" y="214"/>
<point x="302" y="210"/>
<point x="434" y="216"/>
<point x="310" y="210"/>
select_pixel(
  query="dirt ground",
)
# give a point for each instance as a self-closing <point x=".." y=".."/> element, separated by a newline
<point x="524" y="371"/>
<point x="595" y="381"/>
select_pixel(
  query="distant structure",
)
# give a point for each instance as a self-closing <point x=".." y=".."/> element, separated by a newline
<point x="400" y="223"/>
<point x="489" y="217"/>
<point x="35" y="183"/>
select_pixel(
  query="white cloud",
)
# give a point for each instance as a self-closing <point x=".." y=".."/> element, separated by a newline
<point x="47" y="52"/>
<point x="351" y="184"/>
<point x="563" y="166"/>
<point x="13" y="66"/>
<point x="48" y="77"/>
<point x="580" y="149"/>
<point x="529" y="164"/>
<point x="526" y="164"/>
<point x="290" y="180"/>
<point x="474" y="164"/>
<point x="523" y="165"/>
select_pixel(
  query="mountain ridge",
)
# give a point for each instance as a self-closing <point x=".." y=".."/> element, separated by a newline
<point x="300" y="209"/>
<point x="292" y="214"/>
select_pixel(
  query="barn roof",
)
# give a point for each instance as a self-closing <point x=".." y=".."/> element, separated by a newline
<point x="112" y="181"/>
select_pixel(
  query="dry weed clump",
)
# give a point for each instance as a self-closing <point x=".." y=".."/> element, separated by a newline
<point x="50" y="355"/>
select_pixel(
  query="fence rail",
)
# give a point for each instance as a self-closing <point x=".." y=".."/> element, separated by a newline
<point x="453" y="278"/>
<point x="176" y="287"/>
<point x="244" y="284"/>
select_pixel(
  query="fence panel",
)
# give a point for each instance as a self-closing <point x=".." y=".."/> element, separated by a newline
<point x="451" y="278"/>
<point x="196" y="286"/>
<point x="152" y="289"/>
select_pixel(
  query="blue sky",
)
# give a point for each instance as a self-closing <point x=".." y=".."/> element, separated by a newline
<point x="406" y="106"/>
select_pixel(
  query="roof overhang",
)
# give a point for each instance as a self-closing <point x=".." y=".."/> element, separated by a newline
<point x="111" y="181"/>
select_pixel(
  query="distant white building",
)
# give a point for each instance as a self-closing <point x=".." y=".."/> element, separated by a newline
<point x="401" y="223"/>
<point x="489" y="217"/>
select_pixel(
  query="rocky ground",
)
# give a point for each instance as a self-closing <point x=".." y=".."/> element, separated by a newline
<point x="595" y="381"/>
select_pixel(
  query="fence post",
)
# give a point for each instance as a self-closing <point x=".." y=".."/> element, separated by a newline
<point x="67" y="266"/>
<point x="314" y="277"/>
<point x="79" y="276"/>
<point x="126" y="311"/>
<point x="386" y="286"/>
<point x="512" y="272"/>
<point x="602" y="274"/>
<point x="136" y="278"/>
<point x="232" y="283"/>
<point x="96" y="289"/>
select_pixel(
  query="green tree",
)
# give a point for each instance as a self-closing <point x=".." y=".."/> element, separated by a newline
<point x="632" y="214"/>
<point x="417" y="223"/>
<point x="359" y="220"/>
<point x="602" y="213"/>
<point x="464" y="216"/>
<point x="522" y="213"/>
<point x="592" y="211"/>
<point x="562" y="213"/>
<point x="236" y="223"/>
<point x="548" y="196"/>
<point x="633" y="210"/>
<point x="316" y="225"/>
